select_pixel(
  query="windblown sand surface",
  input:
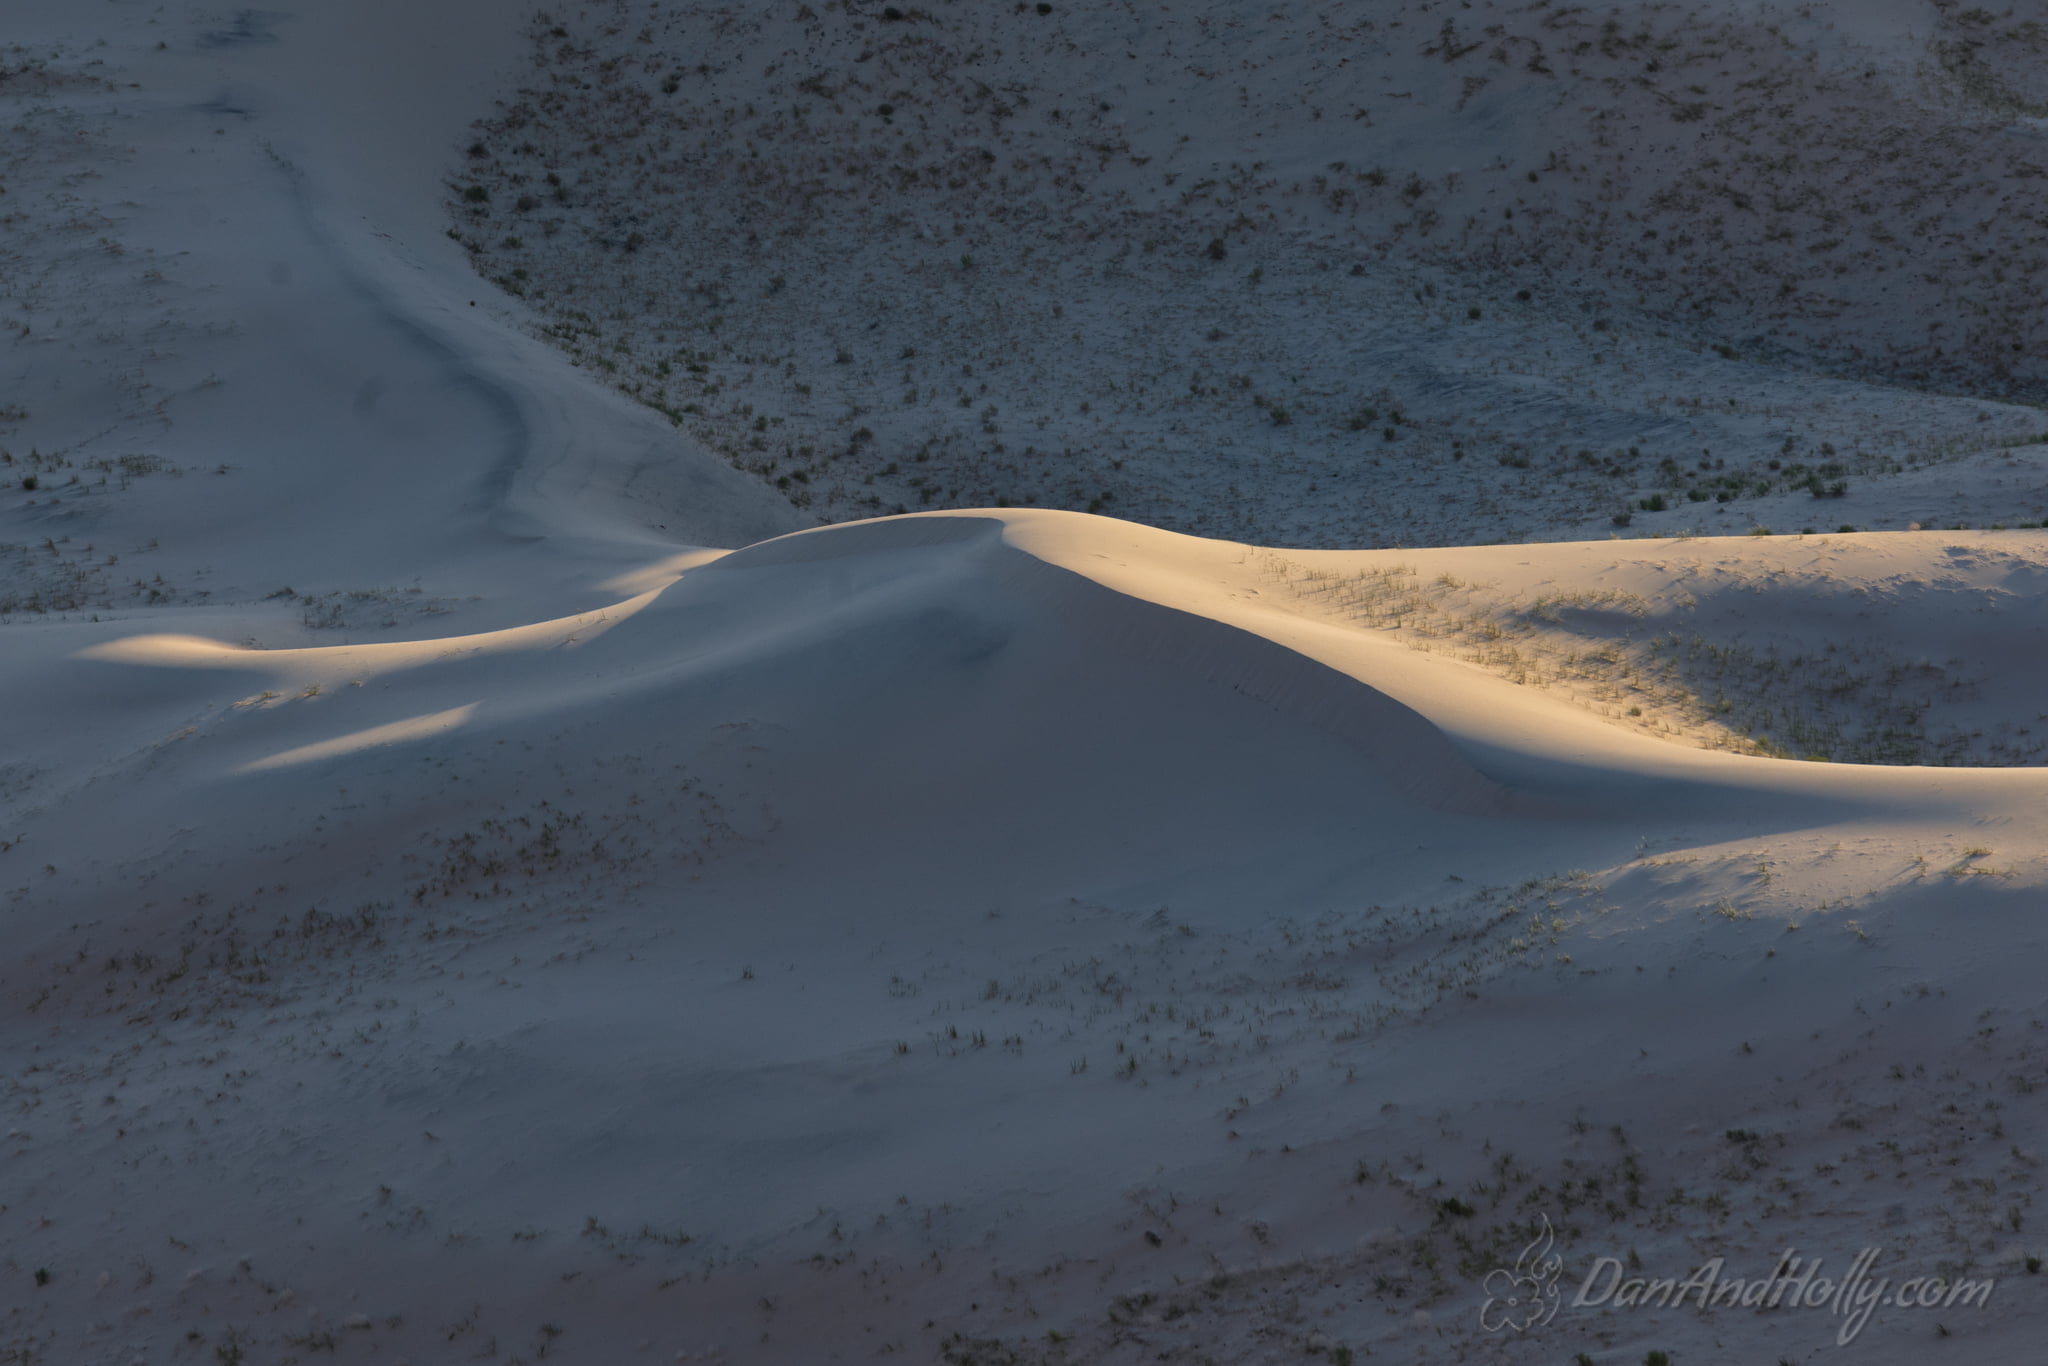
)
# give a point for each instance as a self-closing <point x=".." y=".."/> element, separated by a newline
<point x="486" y="874"/>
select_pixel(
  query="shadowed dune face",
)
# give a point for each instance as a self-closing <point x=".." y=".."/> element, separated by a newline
<point x="964" y="572"/>
<point x="1118" y="687"/>
<point x="910" y="668"/>
<point x="940" y="858"/>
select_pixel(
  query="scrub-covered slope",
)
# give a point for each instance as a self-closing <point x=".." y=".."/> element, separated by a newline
<point x="1411" y="274"/>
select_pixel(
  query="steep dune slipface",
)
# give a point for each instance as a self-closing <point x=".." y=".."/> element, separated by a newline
<point x="928" y="894"/>
<point x="1088" y="636"/>
<point x="848" y="755"/>
<point x="916" y="666"/>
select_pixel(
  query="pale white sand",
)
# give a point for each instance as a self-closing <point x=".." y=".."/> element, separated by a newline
<point x="453" y="905"/>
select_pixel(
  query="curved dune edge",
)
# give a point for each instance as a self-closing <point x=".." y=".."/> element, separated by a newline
<point x="1163" y="629"/>
<point x="374" y="659"/>
<point x="967" y="562"/>
<point x="1468" y="702"/>
<point x="1446" y="732"/>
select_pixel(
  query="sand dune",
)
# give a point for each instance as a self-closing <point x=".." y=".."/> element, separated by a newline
<point x="483" y="875"/>
<point x="818" y="877"/>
